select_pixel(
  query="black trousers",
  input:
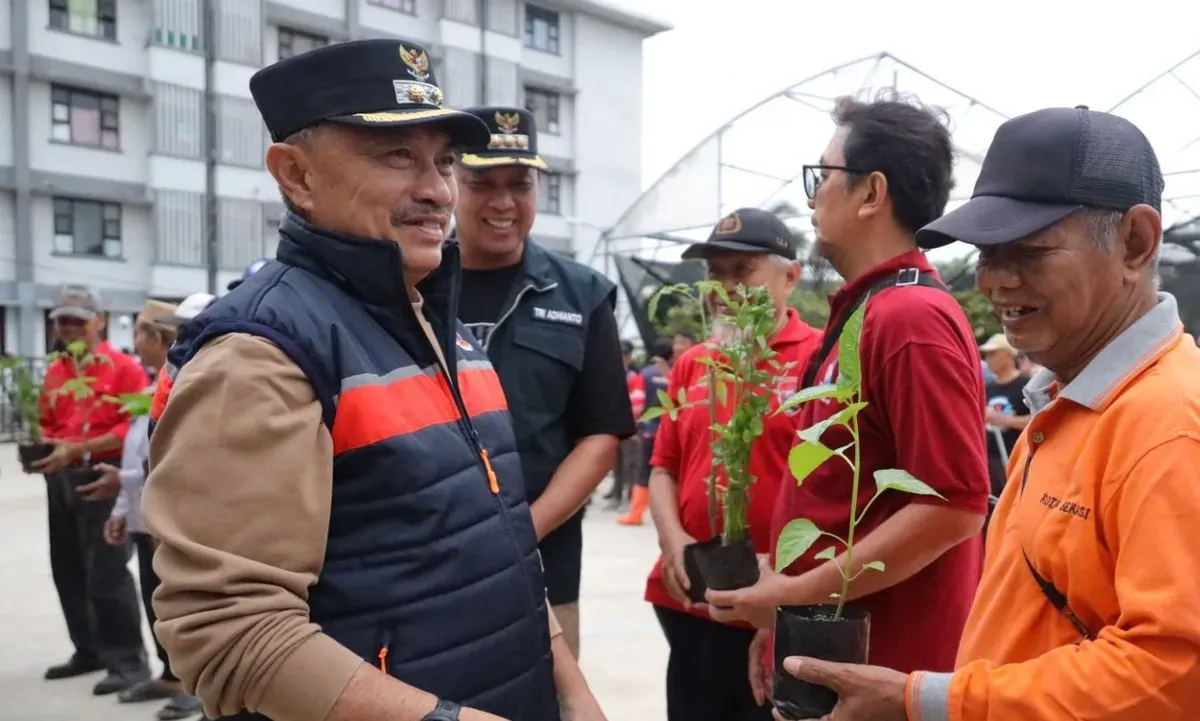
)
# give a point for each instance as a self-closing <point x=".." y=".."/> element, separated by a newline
<point x="95" y="588"/>
<point x="707" y="675"/>
<point x="148" y="580"/>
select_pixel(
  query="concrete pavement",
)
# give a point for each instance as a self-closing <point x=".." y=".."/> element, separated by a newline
<point x="623" y="653"/>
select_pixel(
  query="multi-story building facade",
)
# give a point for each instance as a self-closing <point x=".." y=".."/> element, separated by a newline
<point x="104" y="140"/>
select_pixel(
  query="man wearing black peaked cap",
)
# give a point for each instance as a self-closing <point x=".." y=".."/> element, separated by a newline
<point x="334" y="475"/>
<point x="547" y="323"/>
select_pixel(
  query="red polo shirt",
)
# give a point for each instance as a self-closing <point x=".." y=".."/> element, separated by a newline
<point x="683" y="448"/>
<point x="67" y="419"/>
<point x="922" y="380"/>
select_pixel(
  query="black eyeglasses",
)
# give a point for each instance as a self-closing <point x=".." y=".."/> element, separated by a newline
<point x="812" y="176"/>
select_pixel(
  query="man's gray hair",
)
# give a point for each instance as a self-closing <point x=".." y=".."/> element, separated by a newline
<point x="1103" y="225"/>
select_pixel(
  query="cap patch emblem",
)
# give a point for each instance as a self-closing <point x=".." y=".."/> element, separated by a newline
<point x="508" y="122"/>
<point x="729" y="225"/>
<point x="417" y="63"/>
<point x="408" y="92"/>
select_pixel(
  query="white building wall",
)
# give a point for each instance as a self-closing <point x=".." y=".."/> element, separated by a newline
<point x="6" y="147"/>
<point x="7" y="239"/>
<point x="608" y="110"/>
<point x="598" y="141"/>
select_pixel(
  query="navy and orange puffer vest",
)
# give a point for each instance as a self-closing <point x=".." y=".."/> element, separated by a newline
<point x="432" y="569"/>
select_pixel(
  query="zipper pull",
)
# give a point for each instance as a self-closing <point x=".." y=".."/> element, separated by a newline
<point x="383" y="653"/>
<point x="493" y="481"/>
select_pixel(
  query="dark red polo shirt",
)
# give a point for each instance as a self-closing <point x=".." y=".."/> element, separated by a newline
<point x="922" y="380"/>
<point x="683" y="448"/>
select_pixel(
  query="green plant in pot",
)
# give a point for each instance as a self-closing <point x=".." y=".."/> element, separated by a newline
<point x="24" y="396"/>
<point x="740" y="374"/>
<point x="80" y="387"/>
<point x="834" y="631"/>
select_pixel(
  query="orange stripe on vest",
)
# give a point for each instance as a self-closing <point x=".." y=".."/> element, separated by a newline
<point x="373" y="413"/>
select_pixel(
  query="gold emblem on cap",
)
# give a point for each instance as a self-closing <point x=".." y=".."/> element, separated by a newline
<point x="729" y="225"/>
<point x="508" y="122"/>
<point x="417" y="63"/>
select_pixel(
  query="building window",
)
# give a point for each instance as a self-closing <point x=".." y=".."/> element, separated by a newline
<point x="178" y="121"/>
<point x="541" y="29"/>
<point x="238" y="25"/>
<point x="294" y="42"/>
<point x="85" y="227"/>
<point x="408" y="7"/>
<point x="178" y="24"/>
<point x="179" y="224"/>
<point x="550" y="194"/>
<point x="80" y="117"/>
<point x="544" y="105"/>
<point x="240" y="137"/>
<point x="97" y="18"/>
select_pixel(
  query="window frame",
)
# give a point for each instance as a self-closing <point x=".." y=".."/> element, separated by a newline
<point x="550" y="194"/>
<point x="407" y="7"/>
<point x="104" y="19"/>
<point x="63" y="209"/>
<point x="292" y="34"/>
<point x="553" y="120"/>
<point x="108" y="117"/>
<point x="553" y="22"/>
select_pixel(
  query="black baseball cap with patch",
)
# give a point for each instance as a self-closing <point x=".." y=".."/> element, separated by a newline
<point x="369" y="83"/>
<point x="747" y="230"/>
<point x="1045" y="165"/>
<point x="513" y="140"/>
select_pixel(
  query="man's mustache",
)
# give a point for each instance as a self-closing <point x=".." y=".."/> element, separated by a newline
<point x="400" y="216"/>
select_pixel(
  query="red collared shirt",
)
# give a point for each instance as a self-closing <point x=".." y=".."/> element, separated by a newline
<point x="65" y="418"/>
<point x="924" y="386"/>
<point x="683" y="447"/>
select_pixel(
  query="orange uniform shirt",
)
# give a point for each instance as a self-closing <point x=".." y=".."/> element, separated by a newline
<point x="1108" y="514"/>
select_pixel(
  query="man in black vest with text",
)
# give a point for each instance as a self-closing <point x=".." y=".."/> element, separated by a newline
<point x="547" y="324"/>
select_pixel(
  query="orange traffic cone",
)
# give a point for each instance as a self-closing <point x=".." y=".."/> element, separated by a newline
<point x="637" y="507"/>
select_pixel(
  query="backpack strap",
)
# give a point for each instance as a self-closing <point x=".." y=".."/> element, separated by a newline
<point x="903" y="277"/>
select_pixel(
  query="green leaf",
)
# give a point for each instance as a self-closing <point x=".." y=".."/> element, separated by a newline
<point x="828" y="554"/>
<point x="794" y="541"/>
<point x="804" y="458"/>
<point x="900" y="480"/>
<point x="722" y="392"/>
<point x="664" y="398"/>
<point x="651" y="413"/>
<point x="827" y="390"/>
<point x="874" y="566"/>
<point x="681" y="396"/>
<point x="843" y="417"/>
<point x="849" y="364"/>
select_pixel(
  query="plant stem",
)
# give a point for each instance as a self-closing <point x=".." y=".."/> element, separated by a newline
<point x="712" y="422"/>
<point x="837" y="615"/>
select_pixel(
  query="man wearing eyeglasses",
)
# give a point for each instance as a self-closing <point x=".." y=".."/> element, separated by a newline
<point x="886" y="173"/>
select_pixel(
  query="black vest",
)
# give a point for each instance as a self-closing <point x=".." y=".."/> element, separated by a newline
<point x="429" y="558"/>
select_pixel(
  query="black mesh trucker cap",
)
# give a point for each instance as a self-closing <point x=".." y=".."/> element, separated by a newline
<point x="1045" y="165"/>
<point x="747" y="230"/>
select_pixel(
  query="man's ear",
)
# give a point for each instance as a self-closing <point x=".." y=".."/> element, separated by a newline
<point x="1141" y="229"/>
<point x="288" y="164"/>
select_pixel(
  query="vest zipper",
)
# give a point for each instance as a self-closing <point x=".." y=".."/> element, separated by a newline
<point x="385" y="642"/>
<point x="513" y="308"/>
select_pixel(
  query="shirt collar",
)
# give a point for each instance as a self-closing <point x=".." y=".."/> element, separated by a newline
<point x="848" y="293"/>
<point x="1137" y="347"/>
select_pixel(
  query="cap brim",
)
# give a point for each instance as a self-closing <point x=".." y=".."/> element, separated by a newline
<point x="701" y="251"/>
<point x="499" y="159"/>
<point x="991" y="220"/>
<point x="72" y="312"/>
<point x="465" y="130"/>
